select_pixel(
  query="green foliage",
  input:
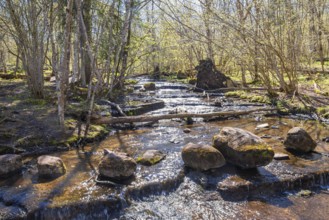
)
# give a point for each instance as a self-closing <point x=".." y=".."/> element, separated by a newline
<point x="323" y="111"/>
<point x="38" y="102"/>
<point x="131" y="82"/>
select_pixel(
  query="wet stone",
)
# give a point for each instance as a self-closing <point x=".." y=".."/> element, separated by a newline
<point x="266" y="136"/>
<point x="281" y="156"/>
<point x="149" y="86"/>
<point x="243" y="148"/>
<point x="116" y="165"/>
<point x="11" y="212"/>
<point x="50" y="167"/>
<point x="326" y="139"/>
<point x="266" y="125"/>
<point x="10" y="163"/>
<point x="151" y="157"/>
<point x="187" y="130"/>
<point x="202" y="157"/>
<point x="299" y="140"/>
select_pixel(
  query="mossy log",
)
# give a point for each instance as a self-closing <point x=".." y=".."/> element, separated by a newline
<point x="148" y="118"/>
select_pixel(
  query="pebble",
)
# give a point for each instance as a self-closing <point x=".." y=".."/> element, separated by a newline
<point x="266" y="136"/>
<point x="266" y="125"/>
<point x="174" y="141"/>
<point x="326" y="139"/>
<point x="187" y="130"/>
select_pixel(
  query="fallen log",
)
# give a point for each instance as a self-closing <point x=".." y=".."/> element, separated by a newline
<point x="147" y="118"/>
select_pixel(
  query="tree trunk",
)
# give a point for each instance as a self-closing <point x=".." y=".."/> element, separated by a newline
<point x="64" y="65"/>
<point x="147" y="118"/>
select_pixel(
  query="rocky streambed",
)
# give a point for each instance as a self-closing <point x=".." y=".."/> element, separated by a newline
<point x="168" y="189"/>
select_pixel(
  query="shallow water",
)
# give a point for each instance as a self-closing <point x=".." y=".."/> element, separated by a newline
<point x="167" y="190"/>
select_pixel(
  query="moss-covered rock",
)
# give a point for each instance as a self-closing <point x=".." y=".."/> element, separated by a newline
<point x="243" y="148"/>
<point x="150" y="157"/>
<point x="202" y="157"/>
<point x="149" y="86"/>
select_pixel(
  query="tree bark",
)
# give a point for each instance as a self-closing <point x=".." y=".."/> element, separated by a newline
<point x="64" y="65"/>
<point x="147" y="118"/>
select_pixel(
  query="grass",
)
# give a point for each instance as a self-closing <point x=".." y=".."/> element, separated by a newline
<point x="249" y="96"/>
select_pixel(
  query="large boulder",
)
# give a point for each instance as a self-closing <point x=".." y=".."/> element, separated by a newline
<point x="243" y="148"/>
<point x="202" y="157"/>
<point x="298" y="139"/>
<point x="10" y="163"/>
<point x="150" y="157"/>
<point x="50" y="167"/>
<point x="116" y="165"/>
<point x="208" y="77"/>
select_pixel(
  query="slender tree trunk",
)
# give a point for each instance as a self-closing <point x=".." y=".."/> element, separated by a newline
<point x="64" y="65"/>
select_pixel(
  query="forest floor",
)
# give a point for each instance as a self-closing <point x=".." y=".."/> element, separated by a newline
<point x="31" y="125"/>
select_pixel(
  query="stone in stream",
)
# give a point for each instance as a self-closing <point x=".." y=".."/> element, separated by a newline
<point x="149" y="86"/>
<point x="202" y="157"/>
<point x="116" y="165"/>
<point x="281" y="156"/>
<point x="266" y="125"/>
<point x="150" y="157"/>
<point x="10" y="163"/>
<point x="187" y="130"/>
<point x="299" y="140"/>
<point x="243" y="148"/>
<point x="50" y="167"/>
<point x="326" y="139"/>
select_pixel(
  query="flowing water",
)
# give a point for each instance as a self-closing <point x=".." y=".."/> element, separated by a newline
<point x="168" y="190"/>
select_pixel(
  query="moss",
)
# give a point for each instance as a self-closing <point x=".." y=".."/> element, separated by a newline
<point x="282" y="107"/>
<point x="149" y="161"/>
<point x="70" y="123"/>
<point x="72" y="139"/>
<point x="131" y="82"/>
<point x="96" y="130"/>
<point x="250" y="97"/>
<point x="38" y="102"/>
<point x="234" y="94"/>
<point x="257" y="147"/>
<point x="260" y="99"/>
<point x="323" y="111"/>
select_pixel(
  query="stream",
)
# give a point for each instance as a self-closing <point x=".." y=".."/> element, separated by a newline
<point x="168" y="190"/>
